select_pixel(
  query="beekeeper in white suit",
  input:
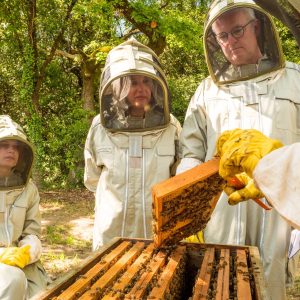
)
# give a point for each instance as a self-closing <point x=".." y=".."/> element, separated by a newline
<point x="21" y="273"/>
<point x="250" y="86"/>
<point x="131" y="145"/>
<point x="263" y="168"/>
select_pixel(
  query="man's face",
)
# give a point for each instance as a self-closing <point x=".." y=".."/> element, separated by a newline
<point x="9" y="153"/>
<point x="238" y="50"/>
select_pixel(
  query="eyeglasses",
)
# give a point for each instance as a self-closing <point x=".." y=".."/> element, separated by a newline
<point x="236" y="32"/>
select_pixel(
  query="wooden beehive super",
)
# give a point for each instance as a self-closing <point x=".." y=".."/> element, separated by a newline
<point x="135" y="269"/>
<point x="183" y="204"/>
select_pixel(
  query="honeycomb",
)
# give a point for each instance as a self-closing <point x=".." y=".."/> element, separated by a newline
<point x="135" y="269"/>
<point x="182" y="205"/>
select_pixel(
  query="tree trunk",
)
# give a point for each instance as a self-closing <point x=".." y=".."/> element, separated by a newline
<point x="87" y="94"/>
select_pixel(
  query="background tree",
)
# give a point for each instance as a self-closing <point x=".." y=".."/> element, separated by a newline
<point x="52" y="55"/>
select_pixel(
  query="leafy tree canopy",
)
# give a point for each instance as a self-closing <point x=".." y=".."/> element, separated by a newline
<point x="52" y="54"/>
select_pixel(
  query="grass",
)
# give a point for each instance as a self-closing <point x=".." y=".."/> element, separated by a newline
<point x="67" y="221"/>
<point x="60" y="235"/>
<point x="64" y="251"/>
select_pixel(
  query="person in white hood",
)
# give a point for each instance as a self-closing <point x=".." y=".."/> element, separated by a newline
<point x="250" y="87"/>
<point x="131" y="145"/>
<point x="21" y="272"/>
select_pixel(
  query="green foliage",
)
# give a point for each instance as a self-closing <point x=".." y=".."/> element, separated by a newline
<point x="289" y="44"/>
<point x="56" y="120"/>
<point x="185" y="69"/>
<point x="63" y="161"/>
<point x="183" y="60"/>
<point x="182" y="89"/>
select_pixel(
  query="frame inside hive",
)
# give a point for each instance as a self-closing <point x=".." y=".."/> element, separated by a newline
<point x="183" y="204"/>
<point x="134" y="269"/>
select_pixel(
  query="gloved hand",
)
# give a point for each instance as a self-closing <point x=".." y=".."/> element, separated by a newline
<point x="16" y="256"/>
<point x="195" y="238"/>
<point x="240" y="151"/>
<point x="241" y="188"/>
<point x="35" y="247"/>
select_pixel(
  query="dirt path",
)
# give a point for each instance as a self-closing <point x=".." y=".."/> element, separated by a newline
<point x="67" y="222"/>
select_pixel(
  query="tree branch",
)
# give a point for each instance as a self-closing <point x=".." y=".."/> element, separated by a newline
<point x="41" y="76"/>
<point x="157" y="42"/>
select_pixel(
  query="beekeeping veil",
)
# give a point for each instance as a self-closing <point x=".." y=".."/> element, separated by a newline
<point x="219" y="67"/>
<point x="20" y="174"/>
<point x="129" y="59"/>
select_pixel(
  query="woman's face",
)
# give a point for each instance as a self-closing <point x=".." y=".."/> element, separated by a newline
<point x="9" y="153"/>
<point x="139" y="94"/>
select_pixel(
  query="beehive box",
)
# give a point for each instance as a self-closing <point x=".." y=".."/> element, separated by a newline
<point x="135" y="269"/>
<point x="182" y="205"/>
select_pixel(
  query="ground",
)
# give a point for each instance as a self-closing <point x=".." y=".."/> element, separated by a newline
<point x="67" y="223"/>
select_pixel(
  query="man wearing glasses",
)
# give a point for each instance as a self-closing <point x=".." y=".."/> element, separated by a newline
<point x="239" y="43"/>
<point x="250" y="87"/>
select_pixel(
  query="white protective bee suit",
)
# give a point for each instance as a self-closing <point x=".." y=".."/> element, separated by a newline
<point x="124" y="155"/>
<point x="264" y="96"/>
<point x="283" y="165"/>
<point x="20" y="220"/>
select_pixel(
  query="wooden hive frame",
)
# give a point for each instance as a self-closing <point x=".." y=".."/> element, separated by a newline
<point x="183" y="204"/>
<point x="236" y="273"/>
<point x="134" y="269"/>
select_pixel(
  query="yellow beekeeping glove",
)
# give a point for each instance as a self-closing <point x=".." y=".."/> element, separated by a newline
<point x="243" y="190"/>
<point x="196" y="238"/>
<point x="16" y="256"/>
<point x="241" y="149"/>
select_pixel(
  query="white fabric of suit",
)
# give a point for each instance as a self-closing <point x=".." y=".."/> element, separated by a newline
<point x="122" y="179"/>
<point x="278" y="176"/>
<point x="271" y="104"/>
<point x="20" y="221"/>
